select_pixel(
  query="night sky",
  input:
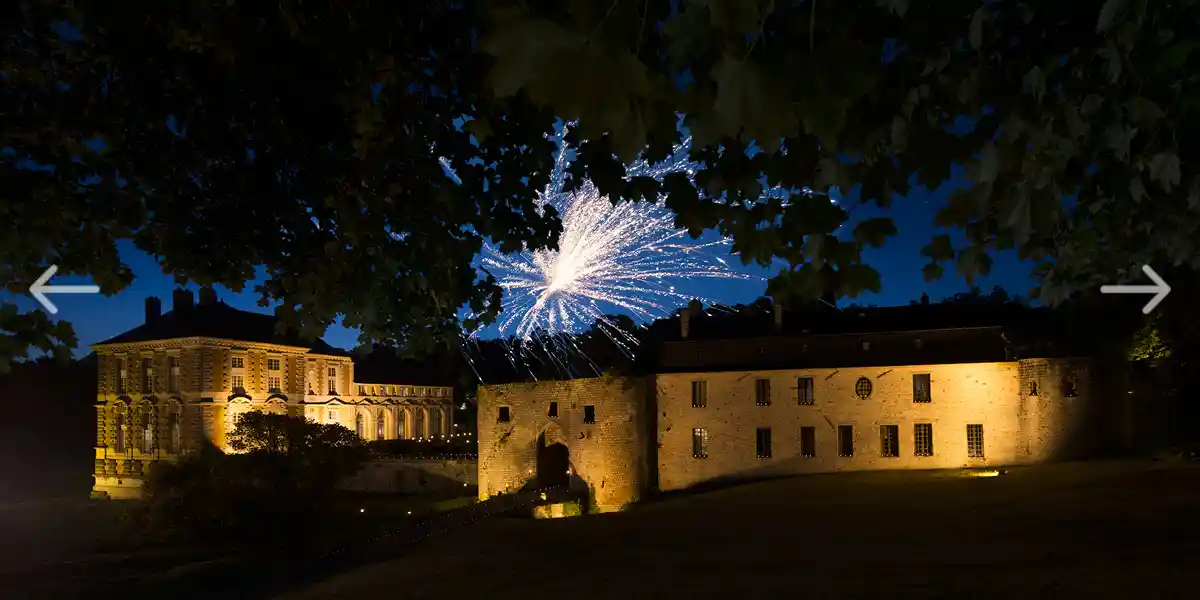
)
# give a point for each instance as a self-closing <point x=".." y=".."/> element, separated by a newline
<point x="97" y="318"/>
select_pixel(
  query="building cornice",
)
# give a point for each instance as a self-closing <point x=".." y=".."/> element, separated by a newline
<point x="212" y="342"/>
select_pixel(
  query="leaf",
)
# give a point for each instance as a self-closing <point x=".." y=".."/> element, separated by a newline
<point x="972" y="262"/>
<point x="858" y="278"/>
<point x="1107" y="13"/>
<point x="826" y="175"/>
<point x="989" y="164"/>
<point x="1137" y="190"/>
<point x="751" y="102"/>
<point x="975" y="31"/>
<point x="897" y="7"/>
<point x="899" y="134"/>
<point x="932" y="272"/>
<point x="939" y="248"/>
<point x="874" y="232"/>
<point x="1143" y="111"/>
<point x="1117" y="138"/>
<point x="479" y="128"/>
<point x="1164" y="170"/>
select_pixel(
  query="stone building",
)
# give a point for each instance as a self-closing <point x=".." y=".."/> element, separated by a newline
<point x="181" y="379"/>
<point x="726" y="398"/>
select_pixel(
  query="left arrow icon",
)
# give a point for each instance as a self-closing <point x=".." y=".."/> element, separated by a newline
<point x="40" y="288"/>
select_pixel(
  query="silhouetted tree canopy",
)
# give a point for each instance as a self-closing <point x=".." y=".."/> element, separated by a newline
<point x="304" y="138"/>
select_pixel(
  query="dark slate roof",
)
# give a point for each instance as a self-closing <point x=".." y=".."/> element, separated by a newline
<point x="817" y="337"/>
<point x="382" y="364"/>
<point x="219" y="320"/>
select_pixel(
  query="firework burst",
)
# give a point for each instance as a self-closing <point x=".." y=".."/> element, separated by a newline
<point x="622" y="257"/>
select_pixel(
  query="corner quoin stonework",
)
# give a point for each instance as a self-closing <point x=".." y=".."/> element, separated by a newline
<point x="609" y="455"/>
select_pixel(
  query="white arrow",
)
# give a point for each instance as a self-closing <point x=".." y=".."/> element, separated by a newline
<point x="1160" y="289"/>
<point x="39" y="289"/>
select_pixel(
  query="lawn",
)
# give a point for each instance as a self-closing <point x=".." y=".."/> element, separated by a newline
<point x="1109" y="530"/>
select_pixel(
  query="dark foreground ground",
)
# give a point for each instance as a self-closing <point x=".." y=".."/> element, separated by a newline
<point x="1099" y="530"/>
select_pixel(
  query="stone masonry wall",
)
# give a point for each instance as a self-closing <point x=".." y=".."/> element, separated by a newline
<point x="979" y="393"/>
<point x="609" y="455"/>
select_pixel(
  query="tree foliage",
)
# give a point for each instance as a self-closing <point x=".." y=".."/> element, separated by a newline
<point x="282" y="479"/>
<point x="304" y="138"/>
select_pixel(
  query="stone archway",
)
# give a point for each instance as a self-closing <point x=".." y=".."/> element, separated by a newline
<point x="553" y="462"/>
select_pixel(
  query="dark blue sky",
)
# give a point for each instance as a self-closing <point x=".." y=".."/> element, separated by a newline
<point x="96" y="317"/>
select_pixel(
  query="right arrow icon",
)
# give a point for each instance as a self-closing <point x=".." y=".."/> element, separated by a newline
<point x="1160" y="289"/>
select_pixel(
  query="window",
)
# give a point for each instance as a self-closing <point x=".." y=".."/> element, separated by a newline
<point x="918" y="344"/>
<point x="553" y="410"/>
<point x="1033" y="391"/>
<point x="174" y="431"/>
<point x="401" y="417"/>
<point x="975" y="440"/>
<point x="333" y="372"/>
<point x="121" y="424"/>
<point x="274" y="384"/>
<point x="147" y="375"/>
<point x="435" y="422"/>
<point x="923" y="439"/>
<point x="921" y="388"/>
<point x="239" y="384"/>
<point x="589" y="414"/>
<point x="762" y="442"/>
<point x="379" y="426"/>
<point x="238" y="362"/>
<point x="699" y="394"/>
<point x="699" y="443"/>
<point x="1069" y="390"/>
<point x="331" y="416"/>
<point x="272" y="364"/>
<point x="504" y="415"/>
<point x="889" y="440"/>
<point x="804" y="390"/>
<point x="359" y="426"/>
<point x="122" y="376"/>
<point x="762" y="392"/>
<point x="863" y="388"/>
<point x="147" y="423"/>
<point x="362" y="390"/>
<point x="172" y="373"/>
<point x="808" y="441"/>
<point x="845" y="440"/>
<point x="866" y="345"/>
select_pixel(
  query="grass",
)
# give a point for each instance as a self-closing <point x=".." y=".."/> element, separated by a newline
<point x="1109" y="529"/>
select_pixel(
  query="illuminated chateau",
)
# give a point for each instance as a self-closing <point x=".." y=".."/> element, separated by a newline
<point x="913" y="387"/>
<point x="182" y="378"/>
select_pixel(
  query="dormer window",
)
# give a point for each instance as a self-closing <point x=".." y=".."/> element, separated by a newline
<point x="866" y="345"/>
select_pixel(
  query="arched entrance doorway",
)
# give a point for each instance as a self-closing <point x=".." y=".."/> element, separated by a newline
<point x="553" y="463"/>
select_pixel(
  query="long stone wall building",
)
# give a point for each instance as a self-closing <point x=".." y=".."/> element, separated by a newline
<point x="180" y="380"/>
<point x="853" y="393"/>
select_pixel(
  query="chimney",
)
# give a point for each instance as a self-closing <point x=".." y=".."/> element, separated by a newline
<point x="153" y="309"/>
<point x="685" y="316"/>
<point x="208" y="296"/>
<point x="778" y="317"/>
<point x="182" y="301"/>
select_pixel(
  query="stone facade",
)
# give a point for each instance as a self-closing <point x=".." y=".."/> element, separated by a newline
<point x="161" y="398"/>
<point x="706" y="426"/>
<point x="607" y="454"/>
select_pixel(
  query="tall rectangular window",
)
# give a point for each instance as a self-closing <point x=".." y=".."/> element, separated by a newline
<point x="274" y="384"/>
<point x="762" y="442"/>
<point x="699" y="394"/>
<point x="845" y="440"/>
<point x="804" y="390"/>
<point x="172" y="373"/>
<point x="921" y="388"/>
<point x="174" y="431"/>
<point x="122" y="376"/>
<point x="552" y="412"/>
<point x="889" y="440"/>
<point x="238" y="362"/>
<point x="589" y="414"/>
<point x="699" y="443"/>
<point x="503" y="416"/>
<point x="923" y="439"/>
<point x="975" y="440"/>
<point x="239" y="383"/>
<point x="762" y="392"/>
<point x="333" y="373"/>
<point x="147" y="375"/>
<point x="272" y="364"/>
<point x="808" y="441"/>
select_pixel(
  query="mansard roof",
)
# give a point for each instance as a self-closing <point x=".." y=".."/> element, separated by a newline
<point x="219" y="320"/>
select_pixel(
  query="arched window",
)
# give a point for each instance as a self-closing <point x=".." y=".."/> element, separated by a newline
<point x="400" y="423"/>
<point x="359" y="426"/>
<point x="379" y="425"/>
<point x="147" y="424"/>
<point x="174" y="431"/>
<point x="435" y="422"/>
<point x="121" y="425"/>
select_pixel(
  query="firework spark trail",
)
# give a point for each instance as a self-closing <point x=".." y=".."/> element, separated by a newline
<point x="624" y="256"/>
